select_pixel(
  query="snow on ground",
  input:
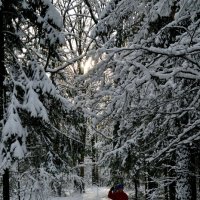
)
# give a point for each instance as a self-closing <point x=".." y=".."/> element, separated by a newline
<point x="94" y="193"/>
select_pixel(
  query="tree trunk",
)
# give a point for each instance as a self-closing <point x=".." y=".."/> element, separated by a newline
<point x="136" y="188"/>
<point x="172" y="191"/>
<point x="18" y="187"/>
<point x="193" y="179"/>
<point x="198" y="173"/>
<point x="115" y="177"/>
<point x="83" y="132"/>
<point x="146" y="185"/>
<point x="6" y="189"/>
<point x="172" y="175"/>
<point x="95" y="175"/>
<point x="183" y="186"/>
<point x="166" y="188"/>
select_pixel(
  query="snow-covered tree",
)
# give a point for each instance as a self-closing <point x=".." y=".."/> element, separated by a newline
<point x="79" y="18"/>
<point x="31" y="36"/>
<point x="150" y="86"/>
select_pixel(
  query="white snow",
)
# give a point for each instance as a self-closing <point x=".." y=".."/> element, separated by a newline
<point x="94" y="193"/>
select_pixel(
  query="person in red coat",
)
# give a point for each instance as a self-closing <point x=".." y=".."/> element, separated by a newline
<point x="117" y="193"/>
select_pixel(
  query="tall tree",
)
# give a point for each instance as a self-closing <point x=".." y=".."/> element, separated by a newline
<point x="30" y="34"/>
<point x="79" y="18"/>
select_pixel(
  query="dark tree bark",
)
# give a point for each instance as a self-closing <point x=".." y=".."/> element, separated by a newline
<point x="172" y="191"/>
<point x="193" y="179"/>
<point x="6" y="190"/>
<point x="6" y="186"/>
<point x="136" y="183"/>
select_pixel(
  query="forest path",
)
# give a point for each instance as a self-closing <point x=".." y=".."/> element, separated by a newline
<point x="94" y="193"/>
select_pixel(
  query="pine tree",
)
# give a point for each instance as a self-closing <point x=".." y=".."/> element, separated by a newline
<point x="30" y="34"/>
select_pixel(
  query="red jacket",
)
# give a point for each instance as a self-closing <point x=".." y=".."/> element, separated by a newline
<point x="119" y="195"/>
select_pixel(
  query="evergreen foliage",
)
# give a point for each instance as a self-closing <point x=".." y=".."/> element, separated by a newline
<point x="31" y="42"/>
<point x="149" y="86"/>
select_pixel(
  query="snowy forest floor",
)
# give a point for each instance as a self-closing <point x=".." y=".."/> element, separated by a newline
<point x="94" y="193"/>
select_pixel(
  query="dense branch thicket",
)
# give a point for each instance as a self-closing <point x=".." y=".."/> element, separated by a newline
<point x="147" y="81"/>
<point x="114" y="82"/>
